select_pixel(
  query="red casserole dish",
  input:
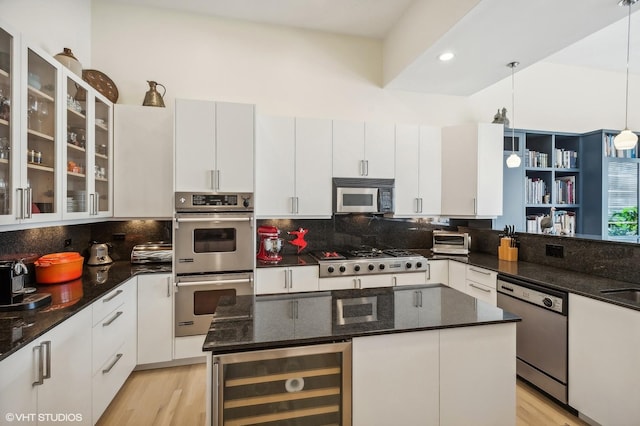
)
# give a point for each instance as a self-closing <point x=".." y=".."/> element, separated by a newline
<point x="57" y="268"/>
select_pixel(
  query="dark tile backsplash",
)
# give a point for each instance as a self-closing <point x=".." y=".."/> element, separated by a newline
<point x="52" y="239"/>
<point x="602" y="258"/>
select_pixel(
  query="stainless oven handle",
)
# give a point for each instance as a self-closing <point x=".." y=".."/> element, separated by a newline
<point x="235" y="281"/>
<point x="209" y="219"/>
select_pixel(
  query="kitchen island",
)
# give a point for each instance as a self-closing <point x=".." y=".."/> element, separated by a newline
<point x="410" y="355"/>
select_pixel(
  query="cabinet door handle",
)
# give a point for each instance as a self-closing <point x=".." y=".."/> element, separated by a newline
<point x="420" y="298"/>
<point x="96" y="205"/>
<point x="169" y="286"/>
<point x="112" y="319"/>
<point x="91" y="203"/>
<point x="40" y="351"/>
<point x="29" y="203"/>
<point x="290" y="278"/>
<point x="217" y="179"/>
<point x="366" y="167"/>
<point x="295" y="305"/>
<point x="297" y="205"/>
<point x="475" y="206"/>
<point x="213" y="179"/>
<point x="428" y="271"/>
<point x="20" y="200"/>
<point x="480" y="271"/>
<point x="421" y="205"/>
<point x="113" y="296"/>
<point x="113" y="364"/>
<point x="359" y="283"/>
<point x="286" y="279"/>
<point x="47" y="374"/>
<point x="480" y="288"/>
<point x="394" y="280"/>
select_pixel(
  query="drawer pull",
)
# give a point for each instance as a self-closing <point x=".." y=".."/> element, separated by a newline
<point x="482" y="272"/>
<point x="113" y="296"/>
<point x="108" y="323"/>
<point x="480" y="288"/>
<point x="113" y="364"/>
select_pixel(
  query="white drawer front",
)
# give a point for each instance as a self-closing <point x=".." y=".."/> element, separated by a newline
<point x="111" y="301"/>
<point x="112" y="332"/>
<point x="482" y="292"/>
<point x="482" y="276"/>
<point x="110" y="377"/>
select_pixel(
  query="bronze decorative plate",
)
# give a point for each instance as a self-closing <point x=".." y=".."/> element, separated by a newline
<point x="101" y="83"/>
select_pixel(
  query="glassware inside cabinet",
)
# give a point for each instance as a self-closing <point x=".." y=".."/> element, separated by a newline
<point x="102" y="150"/>
<point x="41" y="133"/>
<point x="6" y="95"/>
<point x="77" y="160"/>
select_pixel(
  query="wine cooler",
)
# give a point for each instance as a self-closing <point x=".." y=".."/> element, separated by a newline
<point x="308" y="386"/>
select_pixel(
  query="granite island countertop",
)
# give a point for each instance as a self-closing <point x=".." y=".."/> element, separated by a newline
<point x="272" y="325"/>
<point x="19" y="328"/>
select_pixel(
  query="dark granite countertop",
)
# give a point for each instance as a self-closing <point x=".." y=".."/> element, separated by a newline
<point x="272" y="326"/>
<point x="19" y="328"/>
<point x="562" y="279"/>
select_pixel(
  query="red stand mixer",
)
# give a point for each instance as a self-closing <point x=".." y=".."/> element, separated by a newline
<point x="270" y="244"/>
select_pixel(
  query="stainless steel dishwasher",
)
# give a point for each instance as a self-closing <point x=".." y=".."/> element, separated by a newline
<point x="541" y="338"/>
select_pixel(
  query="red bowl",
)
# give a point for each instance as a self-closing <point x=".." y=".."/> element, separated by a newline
<point x="58" y="267"/>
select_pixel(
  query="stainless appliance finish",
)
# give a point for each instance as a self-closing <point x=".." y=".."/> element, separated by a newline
<point x="99" y="254"/>
<point x="260" y="386"/>
<point x="152" y="252"/>
<point x="356" y="310"/>
<point x="203" y="299"/>
<point x="360" y="195"/>
<point x="368" y="261"/>
<point x="447" y="242"/>
<point x="541" y="347"/>
<point x="213" y="232"/>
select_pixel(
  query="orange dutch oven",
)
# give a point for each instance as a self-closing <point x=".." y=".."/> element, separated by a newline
<point x="57" y="268"/>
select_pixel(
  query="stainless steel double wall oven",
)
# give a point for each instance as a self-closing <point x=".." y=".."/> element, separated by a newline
<point x="214" y="245"/>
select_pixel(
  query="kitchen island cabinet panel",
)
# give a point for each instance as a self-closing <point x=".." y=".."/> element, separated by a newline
<point x="604" y="348"/>
<point x="478" y="375"/>
<point x="396" y="379"/>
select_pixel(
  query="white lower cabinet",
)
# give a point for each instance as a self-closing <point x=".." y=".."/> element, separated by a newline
<point x="438" y="271"/>
<point x="604" y="349"/>
<point x="478" y="375"/>
<point x="114" y="344"/>
<point x="281" y="279"/>
<point x="155" y="318"/>
<point x="477" y="282"/>
<point x="396" y="379"/>
<point x="50" y="377"/>
<point x="373" y="281"/>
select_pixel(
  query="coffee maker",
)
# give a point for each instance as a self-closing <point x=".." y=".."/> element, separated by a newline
<point x="14" y="293"/>
<point x="270" y="244"/>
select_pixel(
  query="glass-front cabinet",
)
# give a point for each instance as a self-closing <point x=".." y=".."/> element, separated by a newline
<point x="56" y="139"/>
<point x="40" y="191"/>
<point x="9" y="123"/>
<point x="88" y="150"/>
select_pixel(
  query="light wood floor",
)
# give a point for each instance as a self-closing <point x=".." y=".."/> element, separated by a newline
<point x="176" y="396"/>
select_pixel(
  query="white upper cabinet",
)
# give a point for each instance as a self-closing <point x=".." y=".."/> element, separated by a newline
<point x="472" y="170"/>
<point x="143" y="135"/>
<point x="293" y="175"/>
<point x="363" y="149"/>
<point x="214" y="144"/>
<point x="418" y="170"/>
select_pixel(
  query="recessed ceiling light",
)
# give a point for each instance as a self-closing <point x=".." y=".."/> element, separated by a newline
<point x="446" y="56"/>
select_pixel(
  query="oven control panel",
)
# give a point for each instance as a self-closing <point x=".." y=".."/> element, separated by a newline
<point x="213" y="201"/>
<point x="539" y="298"/>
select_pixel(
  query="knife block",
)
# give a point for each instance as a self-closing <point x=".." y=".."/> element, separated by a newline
<point x="506" y="252"/>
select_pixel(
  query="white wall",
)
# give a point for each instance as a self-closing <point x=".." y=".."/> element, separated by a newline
<point x="52" y="25"/>
<point x="283" y="71"/>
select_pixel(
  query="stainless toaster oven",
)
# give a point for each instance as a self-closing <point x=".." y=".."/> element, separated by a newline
<point x="448" y="242"/>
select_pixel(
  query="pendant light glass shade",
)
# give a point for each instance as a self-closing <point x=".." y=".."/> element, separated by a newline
<point x="626" y="139"/>
<point x="513" y="160"/>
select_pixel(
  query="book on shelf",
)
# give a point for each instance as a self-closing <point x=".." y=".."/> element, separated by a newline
<point x="566" y="159"/>
<point x="564" y="223"/>
<point x="536" y="159"/>
<point x="535" y="190"/>
<point x="611" y="151"/>
<point x="565" y="189"/>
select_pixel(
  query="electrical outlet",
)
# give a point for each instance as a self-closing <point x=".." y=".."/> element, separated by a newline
<point x="67" y="242"/>
<point x="554" y="250"/>
<point x="119" y="236"/>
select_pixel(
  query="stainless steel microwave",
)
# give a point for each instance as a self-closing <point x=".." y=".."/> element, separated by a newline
<point x="359" y="195"/>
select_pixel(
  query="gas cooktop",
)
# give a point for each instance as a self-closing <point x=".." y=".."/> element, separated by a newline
<point x="368" y="260"/>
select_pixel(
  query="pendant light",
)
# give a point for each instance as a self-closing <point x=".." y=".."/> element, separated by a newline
<point x="513" y="160"/>
<point x="626" y="139"/>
